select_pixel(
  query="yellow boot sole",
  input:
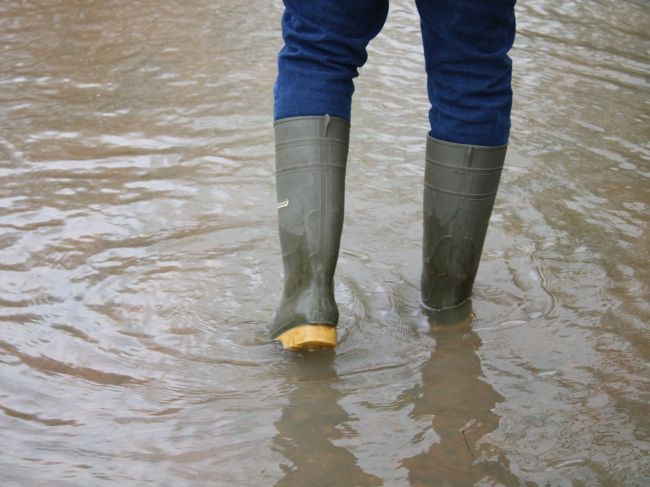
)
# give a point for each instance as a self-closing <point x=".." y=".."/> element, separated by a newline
<point x="309" y="337"/>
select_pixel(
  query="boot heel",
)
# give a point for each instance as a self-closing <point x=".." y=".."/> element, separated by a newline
<point x="308" y="337"/>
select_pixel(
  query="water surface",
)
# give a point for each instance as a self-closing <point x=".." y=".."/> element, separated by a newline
<point x="139" y="261"/>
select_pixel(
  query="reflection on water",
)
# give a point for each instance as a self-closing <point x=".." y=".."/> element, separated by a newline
<point x="310" y="422"/>
<point x="452" y="399"/>
<point x="139" y="261"/>
<point x="461" y="402"/>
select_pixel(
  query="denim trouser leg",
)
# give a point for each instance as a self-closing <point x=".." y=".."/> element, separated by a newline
<point x="465" y="44"/>
<point x="325" y="43"/>
<point x="468" y="69"/>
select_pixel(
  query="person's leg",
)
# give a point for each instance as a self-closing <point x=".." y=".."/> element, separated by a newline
<point x="325" y="43"/>
<point x="466" y="44"/>
<point x="468" y="79"/>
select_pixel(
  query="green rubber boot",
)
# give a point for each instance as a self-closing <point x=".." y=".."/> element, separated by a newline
<point x="311" y="155"/>
<point x="460" y="185"/>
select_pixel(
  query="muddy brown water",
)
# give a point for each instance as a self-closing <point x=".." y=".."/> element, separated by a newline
<point x="139" y="261"/>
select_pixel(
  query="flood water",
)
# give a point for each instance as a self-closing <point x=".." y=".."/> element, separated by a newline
<point x="139" y="261"/>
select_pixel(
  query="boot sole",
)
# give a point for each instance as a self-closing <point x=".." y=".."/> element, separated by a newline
<point x="308" y="337"/>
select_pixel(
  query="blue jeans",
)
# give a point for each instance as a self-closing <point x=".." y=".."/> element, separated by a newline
<point x="465" y="48"/>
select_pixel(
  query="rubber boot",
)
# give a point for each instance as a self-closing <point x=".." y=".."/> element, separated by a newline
<point x="460" y="185"/>
<point x="311" y="155"/>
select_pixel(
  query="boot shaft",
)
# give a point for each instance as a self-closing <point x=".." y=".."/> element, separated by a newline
<point x="461" y="183"/>
<point x="311" y="154"/>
